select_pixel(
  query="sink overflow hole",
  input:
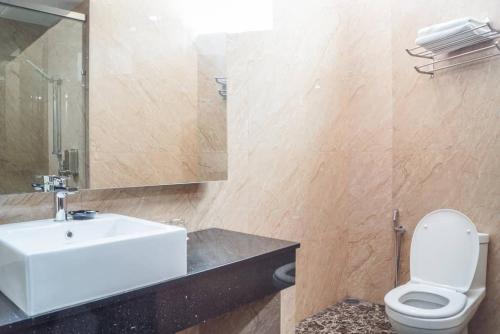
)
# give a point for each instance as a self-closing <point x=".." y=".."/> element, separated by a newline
<point x="69" y="234"/>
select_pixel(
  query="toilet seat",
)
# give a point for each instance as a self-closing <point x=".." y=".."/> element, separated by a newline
<point x="425" y="301"/>
<point x="444" y="250"/>
<point x="474" y="298"/>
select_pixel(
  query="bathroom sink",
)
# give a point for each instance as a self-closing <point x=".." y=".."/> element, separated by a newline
<point x="46" y="265"/>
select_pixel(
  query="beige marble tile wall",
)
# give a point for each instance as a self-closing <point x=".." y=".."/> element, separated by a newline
<point x="447" y="138"/>
<point x="364" y="132"/>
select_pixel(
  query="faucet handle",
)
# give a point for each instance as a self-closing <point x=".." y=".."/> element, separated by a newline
<point x="46" y="183"/>
<point x="59" y="182"/>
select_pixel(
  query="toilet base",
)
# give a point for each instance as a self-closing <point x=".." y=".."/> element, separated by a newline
<point x="403" y="329"/>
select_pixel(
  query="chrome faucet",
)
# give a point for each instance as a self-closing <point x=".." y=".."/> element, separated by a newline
<point x="61" y="213"/>
<point x="57" y="185"/>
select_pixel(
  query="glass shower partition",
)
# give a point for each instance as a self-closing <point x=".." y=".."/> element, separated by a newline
<point x="42" y="98"/>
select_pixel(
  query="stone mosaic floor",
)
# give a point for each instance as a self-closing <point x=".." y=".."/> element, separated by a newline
<point x="347" y="318"/>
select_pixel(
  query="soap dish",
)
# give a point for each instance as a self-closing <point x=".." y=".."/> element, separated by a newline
<point x="83" y="214"/>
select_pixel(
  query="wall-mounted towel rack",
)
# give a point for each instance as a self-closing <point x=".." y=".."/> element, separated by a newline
<point x="432" y="69"/>
<point x="438" y="50"/>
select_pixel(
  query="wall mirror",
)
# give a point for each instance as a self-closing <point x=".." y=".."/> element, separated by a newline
<point x="136" y="100"/>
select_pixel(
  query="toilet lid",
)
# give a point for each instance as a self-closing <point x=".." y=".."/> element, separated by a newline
<point x="445" y="250"/>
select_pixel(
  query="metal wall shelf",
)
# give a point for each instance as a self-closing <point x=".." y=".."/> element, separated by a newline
<point x="462" y="45"/>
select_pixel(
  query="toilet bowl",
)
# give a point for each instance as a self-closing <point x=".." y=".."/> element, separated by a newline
<point x="448" y="277"/>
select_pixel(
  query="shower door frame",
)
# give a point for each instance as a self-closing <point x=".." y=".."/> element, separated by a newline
<point x="68" y="14"/>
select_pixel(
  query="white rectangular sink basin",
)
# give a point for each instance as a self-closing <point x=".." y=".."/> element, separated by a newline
<point x="46" y="265"/>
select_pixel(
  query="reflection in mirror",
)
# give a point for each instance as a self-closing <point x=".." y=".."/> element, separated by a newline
<point x="158" y="88"/>
<point x="157" y="97"/>
<point x="42" y="119"/>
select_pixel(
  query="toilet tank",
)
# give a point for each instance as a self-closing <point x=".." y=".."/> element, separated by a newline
<point x="479" y="280"/>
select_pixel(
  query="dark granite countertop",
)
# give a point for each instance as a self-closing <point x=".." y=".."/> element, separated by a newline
<point x="217" y="260"/>
<point x="208" y="249"/>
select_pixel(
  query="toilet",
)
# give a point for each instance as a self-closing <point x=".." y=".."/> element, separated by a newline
<point x="448" y="277"/>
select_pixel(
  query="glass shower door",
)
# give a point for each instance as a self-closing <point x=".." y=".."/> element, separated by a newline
<point x="42" y="98"/>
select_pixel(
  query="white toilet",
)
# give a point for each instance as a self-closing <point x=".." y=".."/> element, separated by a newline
<point x="448" y="277"/>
